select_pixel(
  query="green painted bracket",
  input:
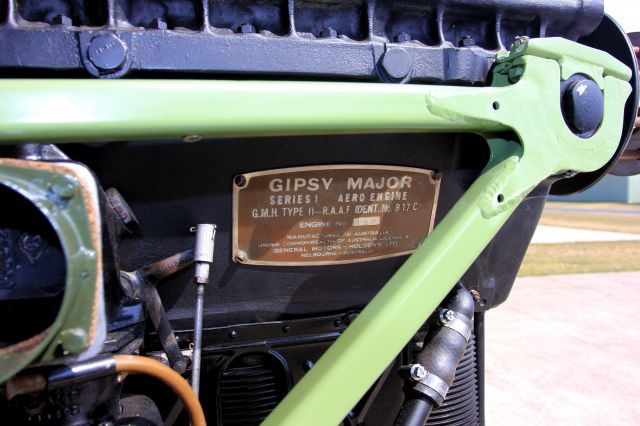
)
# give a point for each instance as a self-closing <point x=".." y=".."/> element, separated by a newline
<point x="66" y="193"/>
<point x="524" y="101"/>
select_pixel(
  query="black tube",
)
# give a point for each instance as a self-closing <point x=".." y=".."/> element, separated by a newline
<point x="443" y="349"/>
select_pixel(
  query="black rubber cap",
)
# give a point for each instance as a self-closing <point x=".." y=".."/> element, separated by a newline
<point x="583" y="105"/>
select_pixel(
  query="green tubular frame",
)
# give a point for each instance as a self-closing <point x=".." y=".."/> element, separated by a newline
<point x="519" y="116"/>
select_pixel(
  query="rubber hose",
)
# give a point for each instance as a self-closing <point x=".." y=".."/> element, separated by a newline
<point x="443" y="349"/>
<point x="153" y="368"/>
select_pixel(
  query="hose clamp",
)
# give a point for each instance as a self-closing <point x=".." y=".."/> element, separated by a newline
<point x="429" y="384"/>
<point x="457" y="322"/>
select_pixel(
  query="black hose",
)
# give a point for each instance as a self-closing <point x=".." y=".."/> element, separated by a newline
<point x="442" y="351"/>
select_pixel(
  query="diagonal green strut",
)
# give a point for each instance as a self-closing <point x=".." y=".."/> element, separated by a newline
<point x="519" y="115"/>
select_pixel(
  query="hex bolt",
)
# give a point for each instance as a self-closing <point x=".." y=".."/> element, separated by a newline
<point x="107" y="52"/>
<point x="61" y="20"/>
<point x="328" y="32"/>
<point x="158" y="24"/>
<point x="246" y="28"/>
<point x="402" y="37"/>
<point x="397" y="63"/>
<point x="466" y="41"/>
<point x="519" y="44"/>
<point x="240" y="257"/>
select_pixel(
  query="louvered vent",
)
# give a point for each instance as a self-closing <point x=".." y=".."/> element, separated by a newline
<point x="461" y="407"/>
<point x="250" y="388"/>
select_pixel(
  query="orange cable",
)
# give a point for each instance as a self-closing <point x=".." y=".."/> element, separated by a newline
<point x="151" y="367"/>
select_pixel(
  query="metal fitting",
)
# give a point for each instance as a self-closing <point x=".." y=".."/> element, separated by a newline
<point x="158" y="24"/>
<point x="466" y="41"/>
<point x="61" y="20"/>
<point x="107" y="52"/>
<point x="203" y="255"/>
<point x="240" y="257"/>
<point x="446" y="315"/>
<point x="417" y="372"/>
<point x="246" y="28"/>
<point x="402" y="37"/>
<point x="433" y="387"/>
<point x="328" y="33"/>
<point x="456" y="322"/>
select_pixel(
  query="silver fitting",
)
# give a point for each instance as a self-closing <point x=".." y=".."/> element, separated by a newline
<point x="456" y="322"/>
<point x="203" y="255"/>
<point x="417" y="372"/>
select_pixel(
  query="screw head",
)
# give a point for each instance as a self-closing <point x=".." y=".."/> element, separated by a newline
<point x="446" y="315"/>
<point x="233" y="334"/>
<point x="240" y="257"/>
<point x="240" y="181"/>
<point x="246" y="28"/>
<point x="107" y="52"/>
<point x="328" y="32"/>
<point x="158" y="24"/>
<point x="308" y="364"/>
<point x="402" y="37"/>
<point x="417" y="372"/>
<point x="61" y="20"/>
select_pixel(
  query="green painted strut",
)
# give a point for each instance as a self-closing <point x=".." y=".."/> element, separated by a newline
<point x="519" y="116"/>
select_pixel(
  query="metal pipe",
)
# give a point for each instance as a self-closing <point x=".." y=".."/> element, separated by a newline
<point x="203" y="258"/>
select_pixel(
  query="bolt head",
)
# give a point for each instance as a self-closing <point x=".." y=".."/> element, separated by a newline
<point x="397" y="63"/>
<point x="107" y="52"/>
<point x="158" y="24"/>
<point x="246" y="28"/>
<point x="61" y="20"/>
<point x="467" y="41"/>
<point x="402" y="37"/>
<point x="328" y="33"/>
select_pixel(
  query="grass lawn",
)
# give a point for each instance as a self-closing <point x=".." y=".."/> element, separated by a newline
<point x="595" y="221"/>
<point x="580" y="258"/>
<point x="576" y="258"/>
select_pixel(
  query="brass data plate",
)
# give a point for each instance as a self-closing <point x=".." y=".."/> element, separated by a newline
<point x="327" y="215"/>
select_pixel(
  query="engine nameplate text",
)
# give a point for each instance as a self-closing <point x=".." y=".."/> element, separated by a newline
<point x="325" y="215"/>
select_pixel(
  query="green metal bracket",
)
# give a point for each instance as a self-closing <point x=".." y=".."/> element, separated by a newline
<point x="66" y="194"/>
<point x="524" y="101"/>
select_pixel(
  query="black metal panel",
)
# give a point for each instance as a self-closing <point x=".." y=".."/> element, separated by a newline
<point x="443" y="40"/>
<point x="168" y="203"/>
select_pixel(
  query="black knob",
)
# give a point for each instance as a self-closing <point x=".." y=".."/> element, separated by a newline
<point x="583" y="106"/>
